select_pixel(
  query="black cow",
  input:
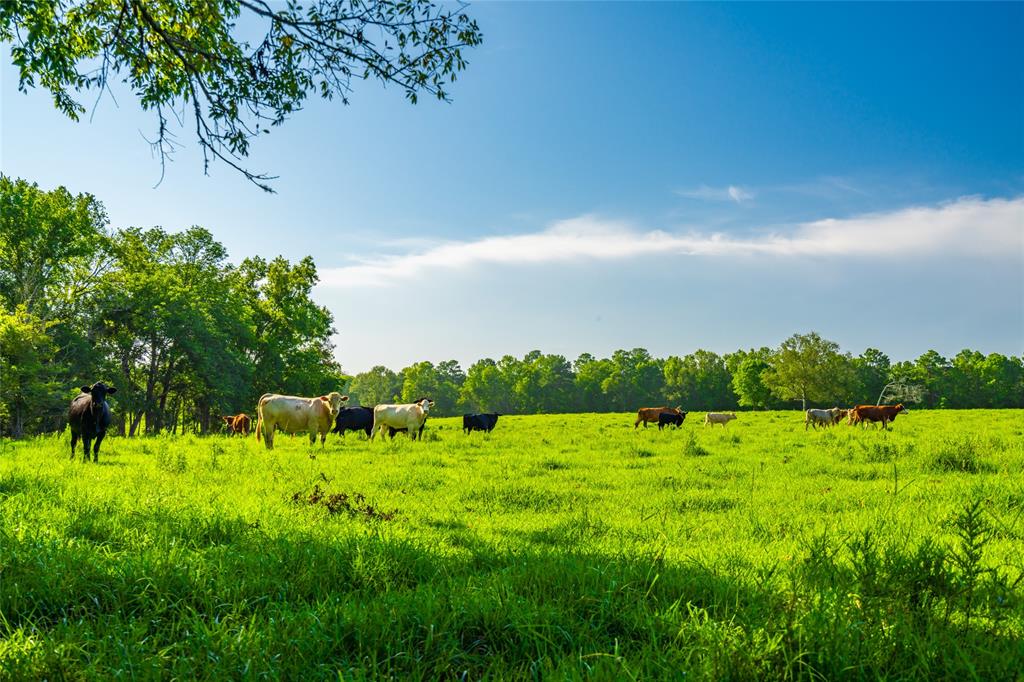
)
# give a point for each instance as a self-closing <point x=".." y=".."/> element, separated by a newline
<point x="89" y="417"/>
<point x="479" y="422"/>
<point x="666" y="418"/>
<point x="392" y="431"/>
<point x="354" y="419"/>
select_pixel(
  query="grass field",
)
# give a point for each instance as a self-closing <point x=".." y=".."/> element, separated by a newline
<point x="563" y="546"/>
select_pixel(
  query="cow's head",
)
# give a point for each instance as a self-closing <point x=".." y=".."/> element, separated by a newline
<point x="335" y="400"/>
<point x="425" y="403"/>
<point x="900" y="409"/>
<point x="99" y="392"/>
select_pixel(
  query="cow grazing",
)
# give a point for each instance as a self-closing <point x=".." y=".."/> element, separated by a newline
<point x="667" y="418"/>
<point x="89" y="417"/>
<point x="408" y="417"/>
<point x="650" y="414"/>
<point x="818" y="418"/>
<point x="354" y="419"/>
<point x="238" y="424"/>
<point x="480" y="422"/>
<point x="293" y="414"/>
<point x="722" y="418"/>
<point x="876" y="413"/>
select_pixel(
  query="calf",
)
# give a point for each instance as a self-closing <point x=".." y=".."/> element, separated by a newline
<point x="237" y="424"/>
<point x="89" y="417"/>
<point x="667" y="418"/>
<point x="354" y="419"/>
<point x="479" y="422"/>
<point x="722" y="418"/>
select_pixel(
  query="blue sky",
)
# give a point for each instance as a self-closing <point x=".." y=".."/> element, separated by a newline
<point x="672" y="176"/>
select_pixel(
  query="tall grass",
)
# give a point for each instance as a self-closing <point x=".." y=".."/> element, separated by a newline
<point x="557" y="546"/>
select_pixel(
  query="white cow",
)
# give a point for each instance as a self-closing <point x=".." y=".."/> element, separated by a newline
<point x="409" y="417"/>
<point x="722" y="418"/>
<point x="293" y="414"/>
<point x="818" y="417"/>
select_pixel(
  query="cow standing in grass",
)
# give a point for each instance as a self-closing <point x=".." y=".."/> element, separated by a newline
<point x="238" y="424"/>
<point x="651" y="414"/>
<point x="818" y="418"/>
<point x="89" y="417"/>
<point x="480" y="422"/>
<point x="669" y="419"/>
<point x="722" y="418"/>
<point x="354" y="419"/>
<point x="408" y="417"/>
<point x="876" y="413"/>
<point x="293" y="414"/>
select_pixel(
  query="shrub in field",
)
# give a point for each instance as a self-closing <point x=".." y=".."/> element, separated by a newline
<point x="961" y="453"/>
<point x="691" y="448"/>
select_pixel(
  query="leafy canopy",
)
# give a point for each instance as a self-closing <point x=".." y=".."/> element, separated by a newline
<point x="188" y="62"/>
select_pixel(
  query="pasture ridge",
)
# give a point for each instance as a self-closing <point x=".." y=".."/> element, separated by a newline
<point x="568" y="546"/>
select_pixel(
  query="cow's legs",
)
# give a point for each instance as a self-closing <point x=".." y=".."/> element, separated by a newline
<point x="74" y="441"/>
<point x="86" y="441"/>
<point x="96" y="448"/>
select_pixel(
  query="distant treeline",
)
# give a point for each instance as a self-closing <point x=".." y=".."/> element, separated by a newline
<point x="186" y="336"/>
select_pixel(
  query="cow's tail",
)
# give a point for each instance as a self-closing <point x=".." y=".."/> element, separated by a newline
<point x="259" y="423"/>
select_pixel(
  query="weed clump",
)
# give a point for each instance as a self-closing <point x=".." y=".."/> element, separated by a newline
<point x="958" y="455"/>
<point x="691" y="448"/>
<point x="354" y="505"/>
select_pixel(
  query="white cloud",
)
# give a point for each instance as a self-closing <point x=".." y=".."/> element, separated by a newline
<point x="982" y="227"/>
<point x="730" y="193"/>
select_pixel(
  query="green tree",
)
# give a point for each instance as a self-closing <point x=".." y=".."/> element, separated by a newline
<point x="808" y="367"/>
<point x="699" y="381"/>
<point x="51" y="245"/>
<point x="486" y="389"/>
<point x="29" y="389"/>
<point x="376" y="386"/>
<point x="636" y="380"/>
<point x="932" y="371"/>
<point x="293" y="352"/>
<point x="180" y="57"/>
<point x="439" y="383"/>
<point x="872" y="374"/>
<point x="591" y="375"/>
<point x="748" y="382"/>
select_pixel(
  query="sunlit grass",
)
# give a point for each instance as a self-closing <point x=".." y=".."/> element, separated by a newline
<point x="570" y="546"/>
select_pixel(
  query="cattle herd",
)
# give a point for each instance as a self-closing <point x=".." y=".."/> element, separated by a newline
<point x="89" y="417"/>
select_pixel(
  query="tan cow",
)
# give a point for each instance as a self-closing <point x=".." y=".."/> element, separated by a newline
<point x="722" y="418"/>
<point x="823" y="417"/>
<point x="293" y="414"/>
<point x="409" y="417"/>
<point x="650" y="414"/>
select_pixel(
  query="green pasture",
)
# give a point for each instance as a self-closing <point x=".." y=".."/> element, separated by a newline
<point x="559" y="546"/>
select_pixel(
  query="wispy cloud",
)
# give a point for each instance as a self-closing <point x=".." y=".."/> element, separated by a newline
<point x="731" y="193"/>
<point x="969" y="225"/>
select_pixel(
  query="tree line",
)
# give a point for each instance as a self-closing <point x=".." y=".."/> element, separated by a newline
<point x="185" y="335"/>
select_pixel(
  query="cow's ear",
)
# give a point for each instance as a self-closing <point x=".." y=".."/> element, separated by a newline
<point x="86" y="389"/>
<point x="323" y="397"/>
<point x="111" y="390"/>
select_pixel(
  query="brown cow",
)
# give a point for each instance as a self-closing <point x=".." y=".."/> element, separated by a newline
<point x="238" y="424"/>
<point x="876" y="413"/>
<point x="650" y="414"/>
